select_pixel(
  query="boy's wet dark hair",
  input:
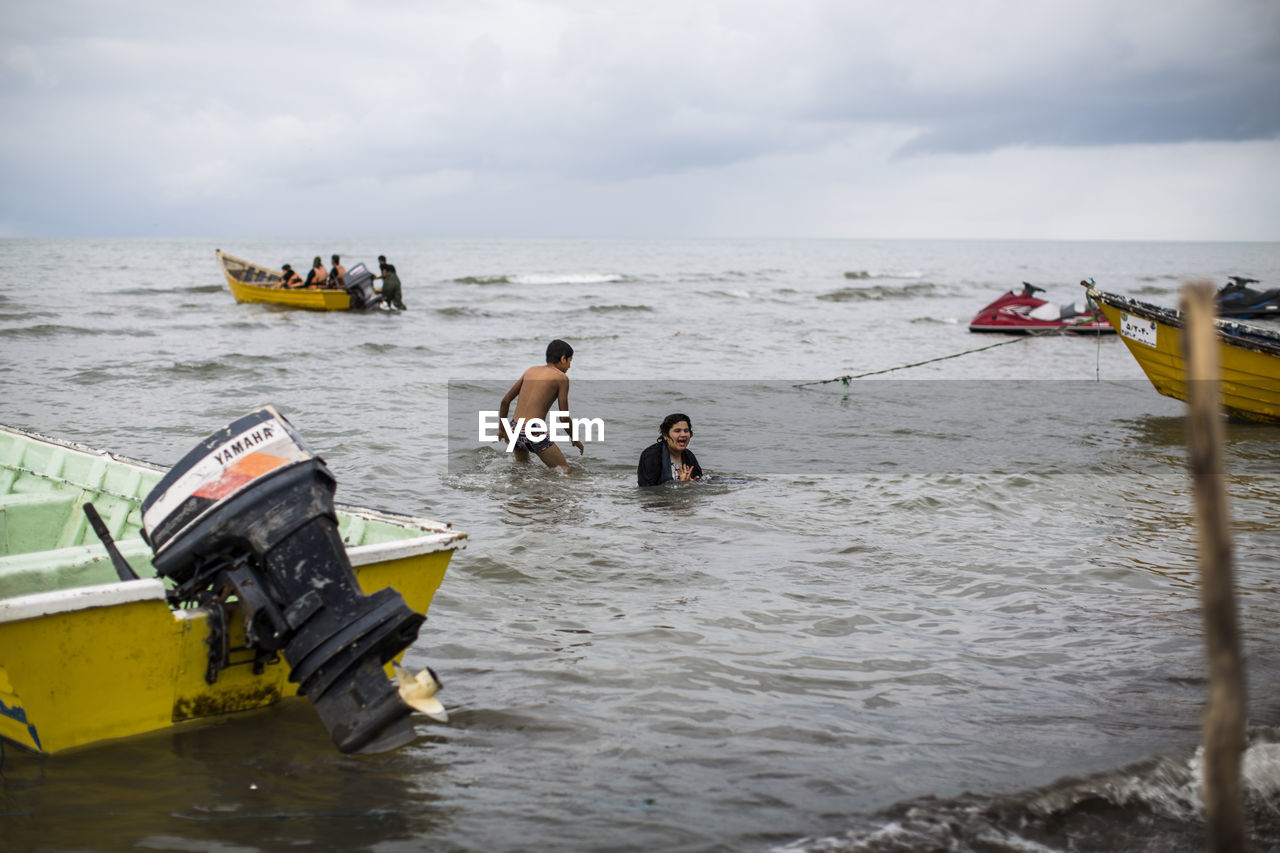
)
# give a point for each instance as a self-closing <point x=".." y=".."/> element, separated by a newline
<point x="557" y="350"/>
<point x="671" y="420"/>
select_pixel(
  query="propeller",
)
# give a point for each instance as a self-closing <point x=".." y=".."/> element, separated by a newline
<point x="419" y="691"/>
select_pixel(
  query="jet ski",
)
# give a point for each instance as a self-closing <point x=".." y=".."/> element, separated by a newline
<point x="1240" y="301"/>
<point x="1020" y="311"/>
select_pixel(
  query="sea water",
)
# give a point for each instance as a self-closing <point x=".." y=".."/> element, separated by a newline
<point x="949" y="605"/>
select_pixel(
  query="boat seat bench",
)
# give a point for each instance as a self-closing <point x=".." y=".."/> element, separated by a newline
<point x="29" y="521"/>
<point x="65" y="568"/>
<point x="32" y="521"/>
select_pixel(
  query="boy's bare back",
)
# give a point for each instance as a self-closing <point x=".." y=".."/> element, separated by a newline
<point x="537" y="389"/>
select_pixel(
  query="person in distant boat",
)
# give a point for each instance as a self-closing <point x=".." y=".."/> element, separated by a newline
<point x="535" y="391"/>
<point x="337" y="275"/>
<point x="669" y="459"/>
<point x="289" y="278"/>
<point x="317" y="276"/>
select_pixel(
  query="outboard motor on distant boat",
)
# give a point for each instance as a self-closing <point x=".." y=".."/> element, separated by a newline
<point x="250" y="512"/>
<point x="360" y="287"/>
<point x="1238" y="300"/>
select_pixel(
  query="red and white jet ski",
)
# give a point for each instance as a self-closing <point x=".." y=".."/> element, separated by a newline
<point x="1020" y="311"/>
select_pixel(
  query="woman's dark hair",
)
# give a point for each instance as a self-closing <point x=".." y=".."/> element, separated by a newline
<point x="317" y="262"/>
<point x="557" y="350"/>
<point x="671" y="420"/>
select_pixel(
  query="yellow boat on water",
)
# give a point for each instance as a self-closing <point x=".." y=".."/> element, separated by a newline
<point x="1249" y="354"/>
<point x="88" y="653"/>
<point x="250" y="282"/>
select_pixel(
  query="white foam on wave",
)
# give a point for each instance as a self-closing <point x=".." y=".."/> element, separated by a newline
<point x="1260" y="770"/>
<point x="566" y="278"/>
<point x="1175" y="788"/>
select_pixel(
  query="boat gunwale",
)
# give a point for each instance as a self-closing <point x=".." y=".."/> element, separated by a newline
<point x="1234" y="332"/>
<point x="76" y="599"/>
<point x="223" y="257"/>
<point x="281" y="289"/>
<point x="435" y="535"/>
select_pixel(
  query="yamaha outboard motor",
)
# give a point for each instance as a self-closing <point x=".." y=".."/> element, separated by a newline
<point x="360" y="286"/>
<point x="250" y="512"/>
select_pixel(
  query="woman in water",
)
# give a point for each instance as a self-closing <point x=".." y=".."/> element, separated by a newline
<point x="669" y="458"/>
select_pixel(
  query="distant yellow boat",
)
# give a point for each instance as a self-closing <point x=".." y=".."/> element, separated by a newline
<point x="250" y="282"/>
<point x="86" y="656"/>
<point x="1249" y="354"/>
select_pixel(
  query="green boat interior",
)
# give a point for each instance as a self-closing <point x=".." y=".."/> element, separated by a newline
<point x="47" y="543"/>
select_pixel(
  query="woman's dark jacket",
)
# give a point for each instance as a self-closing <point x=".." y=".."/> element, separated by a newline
<point x="655" y="464"/>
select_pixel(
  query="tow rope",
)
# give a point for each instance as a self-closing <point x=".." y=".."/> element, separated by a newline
<point x="849" y="377"/>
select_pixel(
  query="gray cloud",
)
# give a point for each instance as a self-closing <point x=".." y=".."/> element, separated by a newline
<point x="133" y="112"/>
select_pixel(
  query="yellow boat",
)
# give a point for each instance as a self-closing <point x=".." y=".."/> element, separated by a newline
<point x="86" y="655"/>
<point x="1249" y="354"/>
<point x="250" y="282"/>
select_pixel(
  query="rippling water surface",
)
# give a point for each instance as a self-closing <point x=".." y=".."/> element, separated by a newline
<point x="952" y="606"/>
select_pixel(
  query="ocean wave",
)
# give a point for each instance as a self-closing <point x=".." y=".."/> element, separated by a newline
<point x="94" y="376"/>
<point x="462" y="311"/>
<point x="576" y="339"/>
<point x="1154" y="804"/>
<point x="1161" y="284"/>
<point x="155" y="291"/>
<point x="237" y="364"/>
<point x="864" y="275"/>
<point x="53" y="330"/>
<point x="879" y="292"/>
<point x="735" y="276"/>
<point x="569" y="278"/>
<point x="611" y="308"/>
<point x="483" y="279"/>
<point x="731" y="294"/>
<point x="705" y="277"/>
<point x="197" y="369"/>
<point x="542" y="278"/>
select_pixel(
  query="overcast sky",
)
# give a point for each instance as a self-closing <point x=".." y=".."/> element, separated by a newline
<point x="1059" y="119"/>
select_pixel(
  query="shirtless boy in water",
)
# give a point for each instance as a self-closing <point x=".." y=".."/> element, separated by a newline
<point x="539" y="387"/>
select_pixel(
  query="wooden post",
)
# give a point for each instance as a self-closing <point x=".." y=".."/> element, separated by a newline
<point x="1224" y="717"/>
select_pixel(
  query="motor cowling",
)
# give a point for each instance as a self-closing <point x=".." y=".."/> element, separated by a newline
<point x="359" y="283"/>
<point x="249" y="511"/>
